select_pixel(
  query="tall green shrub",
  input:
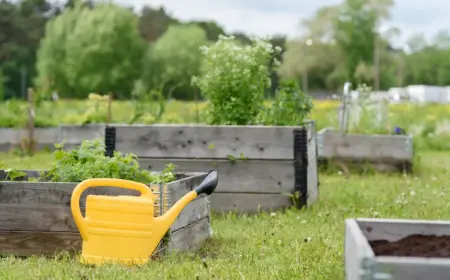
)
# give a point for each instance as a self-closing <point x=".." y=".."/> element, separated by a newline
<point x="233" y="80"/>
<point x="91" y="50"/>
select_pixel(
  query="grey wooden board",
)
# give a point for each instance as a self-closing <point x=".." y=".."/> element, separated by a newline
<point x="358" y="252"/>
<point x="48" y="193"/>
<point x="73" y="136"/>
<point x="45" y="206"/>
<point x="412" y="269"/>
<point x="181" y="187"/>
<point x="248" y="176"/>
<point x="370" y="147"/>
<point x="53" y="193"/>
<point x="205" y="141"/>
<point x="396" y="229"/>
<point x="22" y="217"/>
<point x="194" y="211"/>
<point x="312" y="175"/>
<point x="17" y="217"/>
<point x="44" y="137"/>
<point x="27" y="243"/>
<point x="249" y="203"/>
<point x="190" y="238"/>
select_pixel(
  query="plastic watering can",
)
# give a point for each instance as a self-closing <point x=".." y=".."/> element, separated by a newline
<point x="123" y="229"/>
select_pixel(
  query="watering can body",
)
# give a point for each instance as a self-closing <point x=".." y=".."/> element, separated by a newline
<point x="123" y="229"/>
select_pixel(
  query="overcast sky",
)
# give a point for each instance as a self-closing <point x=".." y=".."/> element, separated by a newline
<point x="258" y="16"/>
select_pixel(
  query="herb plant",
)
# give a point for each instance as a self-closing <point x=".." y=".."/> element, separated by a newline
<point x="234" y="79"/>
<point x="89" y="161"/>
<point x="368" y="115"/>
<point x="290" y="107"/>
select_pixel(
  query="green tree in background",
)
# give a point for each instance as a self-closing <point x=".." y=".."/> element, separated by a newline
<point x="174" y="58"/>
<point x="91" y="50"/>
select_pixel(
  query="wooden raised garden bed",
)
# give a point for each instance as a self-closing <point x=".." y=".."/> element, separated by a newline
<point x="259" y="166"/>
<point x="397" y="249"/>
<point x="71" y="135"/>
<point x="35" y="217"/>
<point x="382" y="152"/>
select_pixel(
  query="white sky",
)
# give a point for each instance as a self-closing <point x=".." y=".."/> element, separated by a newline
<point x="257" y="16"/>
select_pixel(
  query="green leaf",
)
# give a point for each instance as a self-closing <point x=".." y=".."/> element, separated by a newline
<point x="13" y="173"/>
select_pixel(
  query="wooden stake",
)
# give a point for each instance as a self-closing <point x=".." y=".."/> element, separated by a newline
<point x="31" y="116"/>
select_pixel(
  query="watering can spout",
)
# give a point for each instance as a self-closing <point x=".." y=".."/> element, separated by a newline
<point x="207" y="186"/>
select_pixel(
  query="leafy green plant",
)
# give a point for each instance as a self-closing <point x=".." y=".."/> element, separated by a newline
<point x="149" y="107"/>
<point x="290" y="107"/>
<point x="75" y="59"/>
<point x="233" y="80"/>
<point x="366" y="115"/>
<point x="89" y="161"/>
<point x="12" y="174"/>
<point x="96" y="111"/>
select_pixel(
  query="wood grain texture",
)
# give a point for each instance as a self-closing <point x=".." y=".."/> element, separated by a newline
<point x="179" y="188"/>
<point x="396" y="229"/>
<point x="367" y="147"/>
<point x="193" y="212"/>
<point x="49" y="193"/>
<point x="44" y="137"/>
<point x="239" y="176"/>
<point x="190" y="238"/>
<point x="73" y="135"/>
<point x="21" y="217"/>
<point x="205" y="141"/>
<point x="32" y="214"/>
<point x="312" y="176"/>
<point x="358" y="251"/>
<point x="249" y="203"/>
<point x="28" y="243"/>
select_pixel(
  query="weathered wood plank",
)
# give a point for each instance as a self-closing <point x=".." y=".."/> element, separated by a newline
<point x="15" y="217"/>
<point x="181" y="187"/>
<point x="249" y="203"/>
<point x="20" y="217"/>
<point x="205" y="141"/>
<point x="396" y="229"/>
<point x="44" y="137"/>
<point x="190" y="238"/>
<point x="193" y="212"/>
<point x="238" y="176"/>
<point x="313" y="179"/>
<point x="73" y="135"/>
<point x="41" y="193"/>
<point x="370" y="147"/>
<point x="359" y="256"/>
<point x="28" y="243"/>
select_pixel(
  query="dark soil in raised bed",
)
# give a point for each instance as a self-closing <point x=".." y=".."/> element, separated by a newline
<point x="428" y="246"/>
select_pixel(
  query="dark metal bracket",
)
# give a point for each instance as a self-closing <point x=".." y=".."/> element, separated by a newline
<point x="110" y="141"/>
<point x="301" y="165"/>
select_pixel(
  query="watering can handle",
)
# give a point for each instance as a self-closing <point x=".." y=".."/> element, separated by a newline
<point x="99" y="182"/>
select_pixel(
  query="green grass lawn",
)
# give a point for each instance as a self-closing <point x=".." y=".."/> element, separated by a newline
<point x="293" y="245"/>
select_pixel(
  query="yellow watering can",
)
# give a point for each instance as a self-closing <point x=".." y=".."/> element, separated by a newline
<point x="122" y="229"/>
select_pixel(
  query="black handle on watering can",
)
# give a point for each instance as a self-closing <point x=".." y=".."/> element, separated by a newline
<point x="209" y="184"/>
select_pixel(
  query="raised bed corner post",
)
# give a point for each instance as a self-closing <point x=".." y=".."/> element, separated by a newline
<point x="110" y="141"/>
<point x="301" y="166"/>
